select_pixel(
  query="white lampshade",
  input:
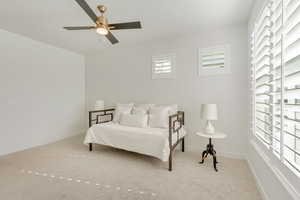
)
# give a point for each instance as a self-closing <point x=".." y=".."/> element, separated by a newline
<point x="209" y="112"/>
<point x="99" y="105"/>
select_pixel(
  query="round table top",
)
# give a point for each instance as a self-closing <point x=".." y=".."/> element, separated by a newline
<point x="216" y="135"/>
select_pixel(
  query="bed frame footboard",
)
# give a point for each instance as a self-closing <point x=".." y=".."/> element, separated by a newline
<point x="176" y="122"/>
<point x="99" y="117"/>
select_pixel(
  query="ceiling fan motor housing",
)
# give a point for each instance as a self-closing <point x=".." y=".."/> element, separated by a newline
<point x="101" y="20"/>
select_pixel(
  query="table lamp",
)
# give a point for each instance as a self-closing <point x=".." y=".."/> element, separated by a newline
<point x="209" y="113"/>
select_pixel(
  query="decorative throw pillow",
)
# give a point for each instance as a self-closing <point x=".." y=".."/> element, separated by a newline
<point x="120" y="109"/>
<point x="141" y="108"/>
<point x="173" y="108"/>
<point x="134" y="120"/>
<point x="159" y="117"/>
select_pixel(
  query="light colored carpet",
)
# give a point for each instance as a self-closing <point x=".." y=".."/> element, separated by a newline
<point x="67" y="170"/>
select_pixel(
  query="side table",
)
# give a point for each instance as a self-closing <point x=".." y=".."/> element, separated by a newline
<point x="210" y="147"/>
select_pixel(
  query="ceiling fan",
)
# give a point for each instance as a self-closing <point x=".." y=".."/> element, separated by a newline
<point x="102" y="27"/>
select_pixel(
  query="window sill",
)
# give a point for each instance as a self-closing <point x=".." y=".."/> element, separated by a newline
<point x="287" y="178"/>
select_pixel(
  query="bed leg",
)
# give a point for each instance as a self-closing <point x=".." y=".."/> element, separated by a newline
<point x="91" y="146"/>
<point x="170" y="161"/>
<point x="182" y="145"/>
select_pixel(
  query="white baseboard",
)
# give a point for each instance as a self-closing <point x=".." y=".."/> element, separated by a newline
<point x="258" y="182"/>
<point x="231" y="155"/>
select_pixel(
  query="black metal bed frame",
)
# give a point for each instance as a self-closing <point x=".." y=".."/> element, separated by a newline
<point x="176" y="122"/>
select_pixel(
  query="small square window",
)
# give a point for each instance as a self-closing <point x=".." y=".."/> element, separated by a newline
<point x="214" y="60"/>
<point x="163" y="66"/>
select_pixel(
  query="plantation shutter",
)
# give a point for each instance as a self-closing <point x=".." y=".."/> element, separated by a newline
<point x="163" y="66"/>
<point x="291" y="64"/>
<point x="277" y="72"/>
<point x="275" y="51"/>
<point x="262" y="77"/>
<point x="215" y="60"/>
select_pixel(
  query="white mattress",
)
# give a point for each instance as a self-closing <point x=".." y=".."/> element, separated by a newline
<point x="149" y="141"/>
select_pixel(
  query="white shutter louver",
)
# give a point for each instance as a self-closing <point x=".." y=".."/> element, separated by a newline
<point x="275" y="59"/>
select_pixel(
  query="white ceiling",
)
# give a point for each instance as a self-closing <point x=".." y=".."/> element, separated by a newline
<point x="43" y="20"/>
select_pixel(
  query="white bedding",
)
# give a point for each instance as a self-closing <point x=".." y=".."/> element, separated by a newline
<point x="149" y="141"/>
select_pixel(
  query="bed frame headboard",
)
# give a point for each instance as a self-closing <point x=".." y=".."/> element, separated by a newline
<point x="96" y="115"/>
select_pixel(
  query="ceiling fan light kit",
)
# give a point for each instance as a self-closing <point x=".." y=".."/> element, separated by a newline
<point x="102" y="27"/>
<point x="102" y="30"/>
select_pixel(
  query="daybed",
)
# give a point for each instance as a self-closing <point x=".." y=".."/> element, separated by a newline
<point x="157" y="142"/>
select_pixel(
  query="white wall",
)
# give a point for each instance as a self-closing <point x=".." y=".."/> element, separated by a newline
<point x="275" y="180"/>
<point x="124" y="75"/>
<point x="41" y="93"/>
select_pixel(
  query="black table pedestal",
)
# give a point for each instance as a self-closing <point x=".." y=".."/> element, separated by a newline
<point x="210" y="150"/>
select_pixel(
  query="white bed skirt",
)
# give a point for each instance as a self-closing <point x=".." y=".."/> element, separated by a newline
<point x="148" y="141"/>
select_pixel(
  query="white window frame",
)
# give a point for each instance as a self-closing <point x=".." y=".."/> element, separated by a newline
<point x="204" y="71"/>
<point x="278" y="60"/>
<point x="172" y="74"/>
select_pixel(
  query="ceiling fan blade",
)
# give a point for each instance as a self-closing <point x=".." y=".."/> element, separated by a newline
<point x="79" y="27"/>
<point x="87" y="9"/>
<point x="111" y="38"/>
<point x="128" y="25"/>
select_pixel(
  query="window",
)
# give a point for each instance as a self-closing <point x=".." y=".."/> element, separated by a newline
<point x="163" y="66"/>
<point x="214" y="61"/>
<point x="275" y="60"/>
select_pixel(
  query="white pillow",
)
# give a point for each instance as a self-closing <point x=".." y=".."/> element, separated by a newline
<point x="173" y="108"/>
<point x="141" y="108"/>
<point x="120" y="109"/>
<point x="159" y="117"/>
<point x="134" y="120"/>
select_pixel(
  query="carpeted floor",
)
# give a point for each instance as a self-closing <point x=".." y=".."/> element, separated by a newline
<point x="66" y="170"/>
